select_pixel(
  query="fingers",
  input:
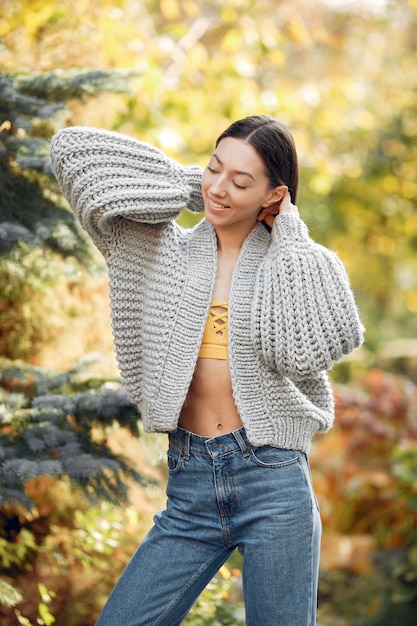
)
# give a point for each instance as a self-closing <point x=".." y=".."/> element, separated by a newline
<point x="284" y="206"/>
<point x="269" y="219"/>
<point x="263" y="213"/>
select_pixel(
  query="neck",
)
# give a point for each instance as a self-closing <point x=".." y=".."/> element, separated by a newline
<point x="230" y="240"/>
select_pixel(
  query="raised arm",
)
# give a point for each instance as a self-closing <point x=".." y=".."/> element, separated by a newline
<point x="305" y="317"/>
<point x="106" y="176"/>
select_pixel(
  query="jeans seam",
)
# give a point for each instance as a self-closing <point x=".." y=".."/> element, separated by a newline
<point x="314" y="504"/>
<point x="309" y="479"/>
<point x="184" y="590"/>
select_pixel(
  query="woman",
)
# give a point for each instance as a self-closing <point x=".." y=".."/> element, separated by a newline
<point x="223" y="334"/>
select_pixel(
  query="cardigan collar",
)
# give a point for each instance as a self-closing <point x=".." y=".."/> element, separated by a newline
<point x="204" y="232"/>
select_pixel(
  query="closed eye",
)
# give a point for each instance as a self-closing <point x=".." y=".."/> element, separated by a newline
<point x="214" y="171"/>
<point x="239" y="186"/>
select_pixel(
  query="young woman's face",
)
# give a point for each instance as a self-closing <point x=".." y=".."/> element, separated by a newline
<point x="235" y="185"/>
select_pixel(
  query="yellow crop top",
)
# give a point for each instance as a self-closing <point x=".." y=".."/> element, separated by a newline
<point x="214" y="342"/>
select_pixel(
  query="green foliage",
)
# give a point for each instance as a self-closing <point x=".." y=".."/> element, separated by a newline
<point x="81" y="550"/>
<point x="365" y="476"/>
<point x="405" y="470"/>
<point x="9" y="596"/>
<point x="44" y="432"/>
<point x="99" y="534"/>
<point x="14" y="555"/>
<point x="27" y="277"/>
<point x="363" y="463"/>
<point x="42" y="244"/>
<point x="27" y="211"/>
<point x="61" y="86"/>
<point x="405" y="574"/>
<point x="57" y="426"/>
<point x="45" y="616"/>
<point x="214" y="606"/>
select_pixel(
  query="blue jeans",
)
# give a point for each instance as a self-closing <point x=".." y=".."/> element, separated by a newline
<point x="225" y="494"/>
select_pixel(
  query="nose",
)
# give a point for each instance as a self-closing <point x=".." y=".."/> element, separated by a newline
<point x="218" y="186"/>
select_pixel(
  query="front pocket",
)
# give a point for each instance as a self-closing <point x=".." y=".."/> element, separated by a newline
<point x="267" y="456"/>
<point x="305" y="466"/>
<point x="174" y="459"/>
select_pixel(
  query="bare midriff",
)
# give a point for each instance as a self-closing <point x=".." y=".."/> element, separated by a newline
<point x="209" y="409"/>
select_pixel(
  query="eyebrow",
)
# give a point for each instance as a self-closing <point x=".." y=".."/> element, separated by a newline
<point x="236" y="171"/>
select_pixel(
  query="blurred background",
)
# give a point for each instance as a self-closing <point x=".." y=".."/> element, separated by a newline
<point x="79" y="480"/>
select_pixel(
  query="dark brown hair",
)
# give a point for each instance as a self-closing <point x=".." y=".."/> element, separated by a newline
<point x="275" y="145"/>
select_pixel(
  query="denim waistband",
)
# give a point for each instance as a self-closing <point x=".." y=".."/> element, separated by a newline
<point x="190" y="443"/>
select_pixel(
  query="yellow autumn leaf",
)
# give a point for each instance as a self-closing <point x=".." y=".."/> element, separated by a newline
<point x="232" y="41"/>
<point x="170" y="9"/>
<point x="37" y="14"/>
<point x="224" y="571"/>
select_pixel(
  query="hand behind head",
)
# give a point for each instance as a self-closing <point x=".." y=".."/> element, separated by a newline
<point x="268" y="214"/>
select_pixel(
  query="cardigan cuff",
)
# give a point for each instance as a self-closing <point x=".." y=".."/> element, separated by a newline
<point x="290" y="227"/>
<point x="188" y="178"/>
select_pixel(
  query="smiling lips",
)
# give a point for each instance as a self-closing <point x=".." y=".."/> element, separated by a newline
<point x="216" y="206"/>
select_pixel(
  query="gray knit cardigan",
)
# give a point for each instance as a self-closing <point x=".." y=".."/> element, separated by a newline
<point x="292" y="314"/>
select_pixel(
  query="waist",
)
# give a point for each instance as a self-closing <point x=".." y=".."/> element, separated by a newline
<point x="190" y="443"/>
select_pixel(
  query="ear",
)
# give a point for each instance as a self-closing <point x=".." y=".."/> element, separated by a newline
<point x="272" y="204"/>
<point x="276" y="194"/>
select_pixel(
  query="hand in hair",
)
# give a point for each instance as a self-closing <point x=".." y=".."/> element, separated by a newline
<point x="283" y="206"/>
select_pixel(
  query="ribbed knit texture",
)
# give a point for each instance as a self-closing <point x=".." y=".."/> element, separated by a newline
<point x="292" y="314"/>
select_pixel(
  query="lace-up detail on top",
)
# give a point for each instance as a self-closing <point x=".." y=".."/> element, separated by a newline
<point x="214" y="342"/>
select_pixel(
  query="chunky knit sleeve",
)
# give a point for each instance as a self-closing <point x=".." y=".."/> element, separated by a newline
<point x="106" y="176"/>
<point x="304" y="315"/>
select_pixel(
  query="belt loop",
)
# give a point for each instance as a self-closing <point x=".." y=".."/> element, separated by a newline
<point x="187" y="445"/>
<point x="242" y="443"/>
